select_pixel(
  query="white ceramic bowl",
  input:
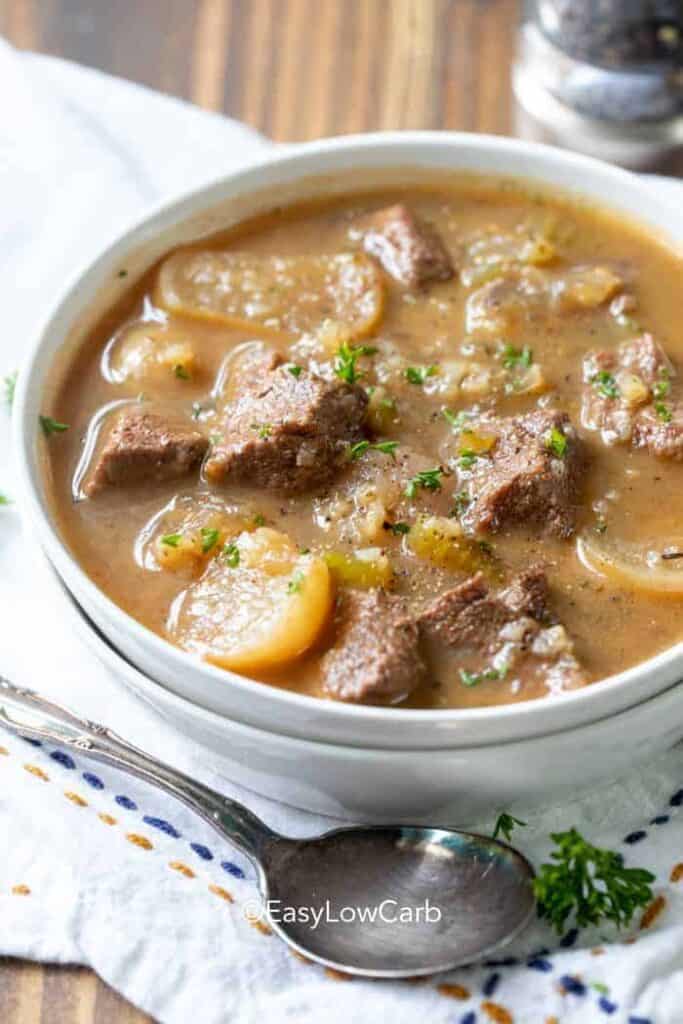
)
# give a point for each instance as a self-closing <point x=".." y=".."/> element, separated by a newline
<point x="321" y="168"/>
<point x="440" y="785"/>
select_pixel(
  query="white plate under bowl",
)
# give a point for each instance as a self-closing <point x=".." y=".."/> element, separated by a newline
<point x="325" y="167"/>
<point x="433" y="786"/>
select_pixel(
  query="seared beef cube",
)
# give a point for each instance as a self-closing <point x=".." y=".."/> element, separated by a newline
<point x="144" y="447"/>
<point x="627" y="397"/>
<point x="287" y="432"/>
<point x="376" y="656"/>
<point x="410" y="251"/>
<point x="531" y="474"/>
<point x="458" y="616"/>
<point x="512" y="635"/>
<point x="528" y="595"/>
<point x="470" y="616"/>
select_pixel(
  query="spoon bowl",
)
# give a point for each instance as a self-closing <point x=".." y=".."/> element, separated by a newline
<point x="396" y="901"/>
<point x="384" y="902"/>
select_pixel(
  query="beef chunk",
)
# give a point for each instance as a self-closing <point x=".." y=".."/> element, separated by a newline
<point x="144" y="446"/>
<point x="470" y="616"/>
<point x="511" y="635"/>
<point x="376" y="657"/>
<point x="531" y="474"/>
<point x="630" y="396"/>
<point x="410" y="251"/>
<point x="287" y="432"/>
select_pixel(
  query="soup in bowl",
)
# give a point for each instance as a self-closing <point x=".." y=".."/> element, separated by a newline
<point x="411" y="438"/>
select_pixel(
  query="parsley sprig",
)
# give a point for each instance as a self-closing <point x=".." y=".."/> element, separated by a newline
<point x="210" y="537"/>
<point x="346" y="358"/>
<point x="662" y="386"/>
<point x="457" y="420"/>
<point x="419" y="374"/>
<point x="428" y="479"/>
<point x="50" y="426"/>
<point x="556" y="442"/>
<point x="605" y="384"/>
<point x="264" y="430"/>
<point x="232" y="555"/>
<point x="9" y="385"/>
<point x="296" y="583"/>
<point x="505" y="825"/>
<point x="514" y="357"/>
<point x="589" y="882"/>
<point x="357" y="450"/>
<point x="398" y="529"/>
<point x="663" y="412"/>
<point x="474" y="678"/>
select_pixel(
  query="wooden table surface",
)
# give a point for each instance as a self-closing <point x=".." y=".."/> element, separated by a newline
<point x="294" y="69"/>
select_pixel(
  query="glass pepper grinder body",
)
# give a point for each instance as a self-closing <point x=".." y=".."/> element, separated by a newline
<point x="604" y="77"/>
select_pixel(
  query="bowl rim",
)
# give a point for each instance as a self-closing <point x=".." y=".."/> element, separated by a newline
<point x="211" y="193"/>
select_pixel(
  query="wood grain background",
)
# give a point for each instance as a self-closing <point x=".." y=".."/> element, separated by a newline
<point x="294" y="69"/>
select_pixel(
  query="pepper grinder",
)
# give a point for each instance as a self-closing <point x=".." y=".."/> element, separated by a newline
<point x="603" y="77"/>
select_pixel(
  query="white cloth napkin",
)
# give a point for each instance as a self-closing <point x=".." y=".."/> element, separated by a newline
<point x="100" y="870"/>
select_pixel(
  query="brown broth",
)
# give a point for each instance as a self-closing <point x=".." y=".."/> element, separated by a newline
<point x="613" y="627"/>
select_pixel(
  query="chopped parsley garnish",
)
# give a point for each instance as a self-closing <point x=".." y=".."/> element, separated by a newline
<point x="4" y="500"/>
<point x="122" y="273"/>
<point x="197" y="410"/>
<point x="357" y="450"/>
<point x="171" y="540"/>
<point x="346" y="359"/>
<point x="513" y="357"/>
<point x="589" y="882"/>
<point x="474" y="678"/>
<point x="467" y="458"/>
<point x="513" y="386"/>
<point x="661" y="387"/>
<point x="505" y="826"/>
<point x="180" y="372"/>
<point x="295" y="584"/>
<point x="398" y="529"/>
<point x="259" y="519"/>
<point x="462" y="503"/>
<point x="419" y="374"/>
<point x="10" y="384"/>
<point x="556" y="442"/>
<point x="457" y="420"/>
<point x="294" y="369"/>
<point x="263" y="430"/>
<point x="605" y="384"/>
<point x="664" y="412"/>
<point x="51" y="426"/>
<point x="232" y="555"/>
<point x="209" y="538"/>
<point x="429" y="479"/>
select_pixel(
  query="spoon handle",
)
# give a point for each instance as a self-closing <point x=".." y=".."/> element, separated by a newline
<point x="27" y="714"/>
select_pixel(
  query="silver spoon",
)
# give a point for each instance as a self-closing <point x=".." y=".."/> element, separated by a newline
<point x="383" y="902"/>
